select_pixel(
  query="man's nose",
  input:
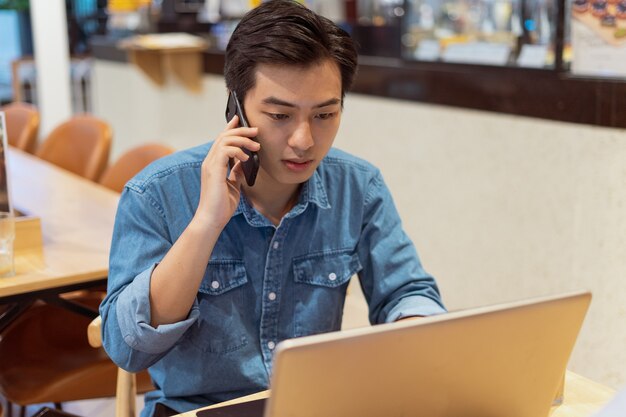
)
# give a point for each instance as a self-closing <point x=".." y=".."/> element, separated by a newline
<point x="302" y="137"/>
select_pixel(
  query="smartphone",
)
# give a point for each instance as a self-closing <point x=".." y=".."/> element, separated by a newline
<point x="251" y="166"/>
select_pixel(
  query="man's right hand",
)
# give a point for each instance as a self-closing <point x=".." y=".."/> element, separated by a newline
<point x="175" y="281"/>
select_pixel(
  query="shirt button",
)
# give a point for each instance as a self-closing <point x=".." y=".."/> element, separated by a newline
<point x="332" y="276"/>
<point x="215" y="285"/>
<point x="271" y="296"/>
<point x="271" y="345"/>
<point x="276" y="245"/>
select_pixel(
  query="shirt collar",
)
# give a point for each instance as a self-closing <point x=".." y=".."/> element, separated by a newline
<point x="313" y="191"/>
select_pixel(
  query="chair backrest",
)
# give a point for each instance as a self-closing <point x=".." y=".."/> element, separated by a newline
<point x="22" y="121"/>
<point x="130" y="163"/>
<point x="81" y="145"/>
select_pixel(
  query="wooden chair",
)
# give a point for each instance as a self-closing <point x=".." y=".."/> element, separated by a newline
<point x="22" y="121"/>
<point x="126" y="389"/>
<point x="81" y="145"/>
<point x="130" y="163"/>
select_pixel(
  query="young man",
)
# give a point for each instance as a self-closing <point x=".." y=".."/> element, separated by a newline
<point x="208" y="274"/>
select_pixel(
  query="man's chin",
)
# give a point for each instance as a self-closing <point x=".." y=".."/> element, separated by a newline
<point x="296" y="178"/>
<point x="286" y="178"/>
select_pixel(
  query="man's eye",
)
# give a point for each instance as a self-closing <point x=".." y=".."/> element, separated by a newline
<point x="278" y="116"/>
<point x="325" y="116"/>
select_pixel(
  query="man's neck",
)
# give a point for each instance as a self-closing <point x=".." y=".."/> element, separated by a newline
<point x="271" y="199"/>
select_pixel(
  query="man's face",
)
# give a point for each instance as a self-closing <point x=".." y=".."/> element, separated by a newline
<point x="297" y="111"/>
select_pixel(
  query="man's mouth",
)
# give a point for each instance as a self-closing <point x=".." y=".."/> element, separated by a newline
<point x="297" y="165"/>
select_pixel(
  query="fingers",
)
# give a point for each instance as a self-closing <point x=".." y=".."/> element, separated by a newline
<point x="233" y="123"/>
<point x="238" y="141"/>
<point x="245" y="133"/>
<point x="228" y="147"/>
<point x="235" y="152"/>
<point x="233" y="129"/>
<point x="231" y="148"/>
<point x="238" y="136"/>
<point x="236" y="175"/>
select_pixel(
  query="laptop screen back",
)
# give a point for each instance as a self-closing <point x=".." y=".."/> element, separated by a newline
<point x="506" y="360"/>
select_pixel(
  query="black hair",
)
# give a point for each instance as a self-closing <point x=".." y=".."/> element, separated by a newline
<point x="284" y="32"/>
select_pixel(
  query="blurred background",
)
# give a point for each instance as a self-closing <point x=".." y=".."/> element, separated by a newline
<point x="499" y="125"/>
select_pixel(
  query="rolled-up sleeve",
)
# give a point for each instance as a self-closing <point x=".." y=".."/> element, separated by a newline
<point x="393" y="280"/>
<point x="133" y="319"/>
<point x="140" y="240"/>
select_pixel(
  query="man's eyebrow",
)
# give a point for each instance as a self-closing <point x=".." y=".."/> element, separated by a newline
<point x="330" y="102"/>
<point x="279" y="102"/>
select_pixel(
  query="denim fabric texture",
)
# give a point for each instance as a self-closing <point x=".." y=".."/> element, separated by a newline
<point x="263" y="283"/>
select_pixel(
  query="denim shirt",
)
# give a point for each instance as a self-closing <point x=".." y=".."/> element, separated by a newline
<point x="263" y="283"/>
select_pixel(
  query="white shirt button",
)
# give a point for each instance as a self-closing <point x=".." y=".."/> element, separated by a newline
<point x="332" y="276"/>
<point x="271" y="345"/>
<point x="276" y="245"/>
<point x="271" y="296"/>
<point x="215" y="285"/>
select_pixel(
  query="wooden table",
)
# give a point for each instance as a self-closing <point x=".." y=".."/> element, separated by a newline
<point x="583" y="397"/>
<point x="77" y="218"/>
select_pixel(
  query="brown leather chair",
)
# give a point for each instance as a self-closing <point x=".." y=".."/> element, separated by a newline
<point x="22" y="121"/>
<point x="45" y="357"/>
<point x="81" y="145"/>
<point x="130" y="163"/>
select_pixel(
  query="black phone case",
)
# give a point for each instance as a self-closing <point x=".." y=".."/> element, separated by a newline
<point x="251" y="166"/>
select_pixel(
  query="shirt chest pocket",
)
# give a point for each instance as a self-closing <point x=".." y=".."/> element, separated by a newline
<point x="321" y="281"/>
<point x="220" y="328"/>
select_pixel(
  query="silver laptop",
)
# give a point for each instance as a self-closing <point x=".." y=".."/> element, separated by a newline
<point x="500" y="361"/>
